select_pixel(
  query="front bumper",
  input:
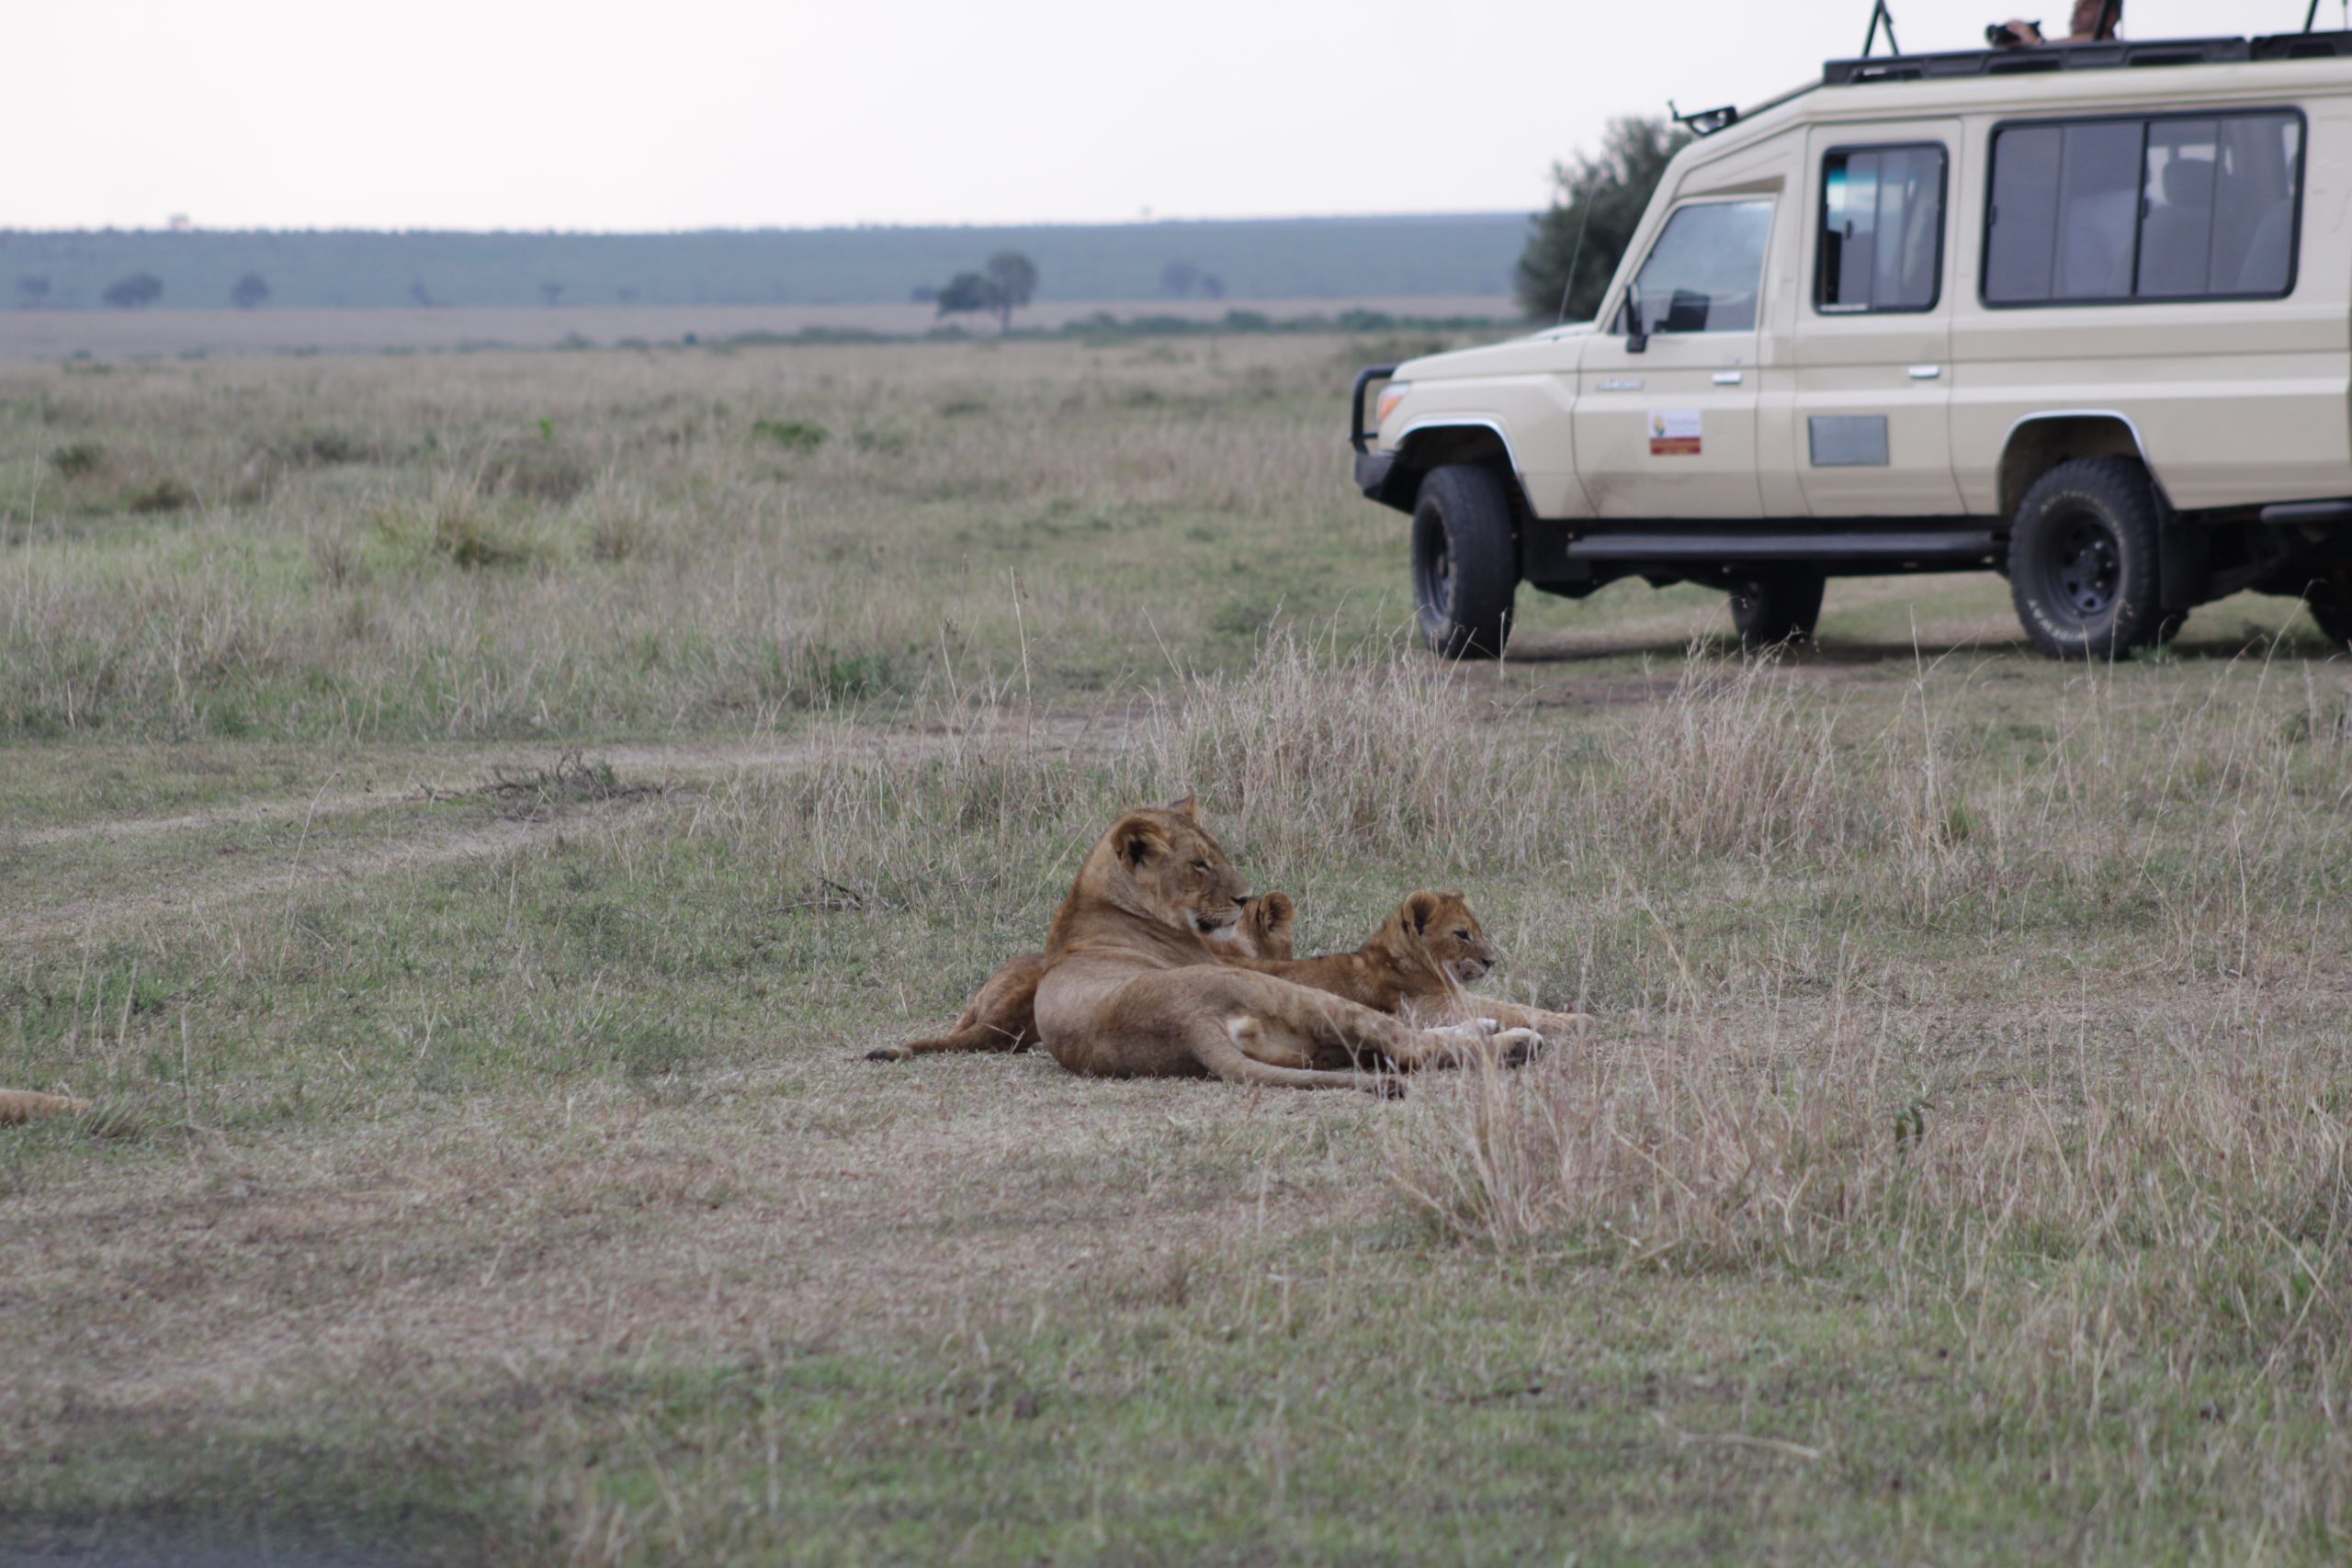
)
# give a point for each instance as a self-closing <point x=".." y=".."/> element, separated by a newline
<point x="1372" y="473"/>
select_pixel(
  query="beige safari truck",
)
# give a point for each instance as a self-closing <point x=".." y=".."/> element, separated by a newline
<point x="2081" y="315"/>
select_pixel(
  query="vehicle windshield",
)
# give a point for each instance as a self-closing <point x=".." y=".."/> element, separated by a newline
<point x="1703" y="274"/>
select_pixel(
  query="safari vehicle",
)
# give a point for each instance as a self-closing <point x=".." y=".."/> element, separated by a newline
<point x="2079" y="314"/>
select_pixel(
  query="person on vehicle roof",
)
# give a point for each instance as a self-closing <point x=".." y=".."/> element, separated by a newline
<point x="2093" y="21"/>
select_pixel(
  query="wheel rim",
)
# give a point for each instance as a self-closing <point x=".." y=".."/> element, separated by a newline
<point x="2085" y="567"/>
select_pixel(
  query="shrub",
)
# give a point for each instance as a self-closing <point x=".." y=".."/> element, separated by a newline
<point x="792" y="435"/>
<point x="167" y="494"/>
<point x="77" y="458"/>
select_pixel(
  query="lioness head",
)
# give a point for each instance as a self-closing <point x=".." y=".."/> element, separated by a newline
<point x="1264" y="929"/>
<point x="1441" y="928"/>
<point x="1175" y="873"/>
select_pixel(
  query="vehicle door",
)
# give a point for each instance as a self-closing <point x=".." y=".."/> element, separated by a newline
<point x="1872" y="356"/>
<point x="1665" y="408"/>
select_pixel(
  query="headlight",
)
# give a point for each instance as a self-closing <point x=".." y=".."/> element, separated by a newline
<point x="1390" y="396"/>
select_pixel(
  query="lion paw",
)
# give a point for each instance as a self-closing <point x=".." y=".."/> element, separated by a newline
<point x="889" y="1053"/>
<point x="1519" y="1046"/>
<point x="1384" y="1087"/>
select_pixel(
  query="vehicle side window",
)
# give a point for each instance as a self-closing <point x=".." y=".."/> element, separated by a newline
<point x="2172" y="207"/>
<point x="1882" y="230"/>
<point x="1704" y="272"/>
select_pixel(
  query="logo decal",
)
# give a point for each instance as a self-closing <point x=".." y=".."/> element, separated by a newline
<point x="1674" y="433"/>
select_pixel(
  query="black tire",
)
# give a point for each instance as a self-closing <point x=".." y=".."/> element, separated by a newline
<point x="1777" y="604"/>
<point x="1465" y="562"/>
<point x="2083" y="555"/>
<point x="2330" y="604"/>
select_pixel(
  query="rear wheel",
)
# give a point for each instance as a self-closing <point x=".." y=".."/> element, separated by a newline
<point x="1465" y="562"/>
<point x="2083" y="555"/>
<point x="1777" y="604"/>
<point x="2331" y="607"/>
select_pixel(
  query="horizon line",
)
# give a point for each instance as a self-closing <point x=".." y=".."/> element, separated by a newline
<point x="170" y="231"/>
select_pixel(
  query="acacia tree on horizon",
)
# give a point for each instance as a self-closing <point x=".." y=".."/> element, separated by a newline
<point x="1598" y="201"/>
<point x="136" y="292"/>
<point x="1007" y="282"/>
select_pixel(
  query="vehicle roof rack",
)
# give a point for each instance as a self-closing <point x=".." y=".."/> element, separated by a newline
<point x="2304" y="45"/>
<point x="2114" y="55"/>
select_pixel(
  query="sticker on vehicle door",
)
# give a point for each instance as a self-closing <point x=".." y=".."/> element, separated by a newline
<point x="1674" y="433"/>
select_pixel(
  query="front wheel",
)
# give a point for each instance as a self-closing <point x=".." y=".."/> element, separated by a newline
<point x="2083" y="560"/>
<point x="1465" y="562"/>
<point x="1776" y="605"/>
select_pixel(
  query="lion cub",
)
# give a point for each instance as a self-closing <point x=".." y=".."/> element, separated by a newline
<point x="1421" y="963"/>
<point x="1003" y="1017"/>
<point x="24" y="1105"/>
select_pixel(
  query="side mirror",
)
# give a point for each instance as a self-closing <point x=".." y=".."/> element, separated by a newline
<point x="1637" y="340"/>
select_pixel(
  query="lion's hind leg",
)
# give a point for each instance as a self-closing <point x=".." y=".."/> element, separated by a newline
<point x="1250" y="1053"/>
<point x="1003" y="1017"/>
<point x="1297" y="1024"/>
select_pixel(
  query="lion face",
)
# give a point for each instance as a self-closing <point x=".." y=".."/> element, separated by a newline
<point x="1265" y="928"/>
<point x="1443" y="927"/>
<point x="1177" y="873"/>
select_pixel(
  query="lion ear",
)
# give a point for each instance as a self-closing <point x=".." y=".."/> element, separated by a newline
<point x="1140" y="843"/>
<point x="1279" y="910"/>
<point x="1420" y="909"/>
<point x="1457" y="896"/>
<point x="1188" y="807"/>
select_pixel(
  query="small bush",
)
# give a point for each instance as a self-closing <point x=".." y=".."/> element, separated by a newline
<point x="543" y="472"/>
<point x="77" y="457"/>
<point x="464" y="539"/>
<point x="167" y="494"/>
<point x="792" y="435"/>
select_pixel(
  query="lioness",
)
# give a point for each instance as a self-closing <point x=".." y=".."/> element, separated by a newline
<point x="1134" y="986"/>
<point x="1003" y="1015"/>
<point x="1419" y="964"/>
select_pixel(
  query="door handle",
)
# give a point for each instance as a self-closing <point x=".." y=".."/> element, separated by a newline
<point x="1726" y="377"/>
<point x="1925" y="372"/>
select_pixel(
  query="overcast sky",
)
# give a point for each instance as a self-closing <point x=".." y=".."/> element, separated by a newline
<point x="669" y="114"/>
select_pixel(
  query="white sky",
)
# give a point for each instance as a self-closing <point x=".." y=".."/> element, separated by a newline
<point x="666" y="114"/>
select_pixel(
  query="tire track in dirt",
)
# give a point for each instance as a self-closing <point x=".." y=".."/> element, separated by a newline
<point x="665" y="765"/>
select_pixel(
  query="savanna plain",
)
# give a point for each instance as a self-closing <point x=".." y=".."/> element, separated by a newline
<point x="464" y="818"/>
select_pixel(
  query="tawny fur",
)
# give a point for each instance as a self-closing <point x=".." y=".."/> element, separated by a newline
<point x="1134" y="986"/>
<point x="1418" y="965"/>
<point x="24" y="1105"/>
<point x="1003" y="1015"/>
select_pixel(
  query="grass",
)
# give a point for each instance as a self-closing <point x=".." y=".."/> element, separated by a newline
<point x="474" y="960"/>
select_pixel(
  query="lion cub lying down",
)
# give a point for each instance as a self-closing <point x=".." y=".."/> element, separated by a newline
<point x="1419" y="966"/>
<point x="1003" y="1017"/>
<point x="1135" y="986"/>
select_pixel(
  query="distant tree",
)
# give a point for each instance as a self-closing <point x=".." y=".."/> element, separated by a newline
<point x="551" y="292"/>
<point x="136" y="292"/>
<point x="251" y="291"/>
<point x="626" y="296"/>
<point x="32" y="290"/>
<point x="923" y="294"/>
<point x="1212" y="286"/>
<point x="1176" y="278"/>
<point x="418" y="292"/>
<point x="1604" y="197"/>
<point x="969" y="293"/>
<point x="1015" y="276"/>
